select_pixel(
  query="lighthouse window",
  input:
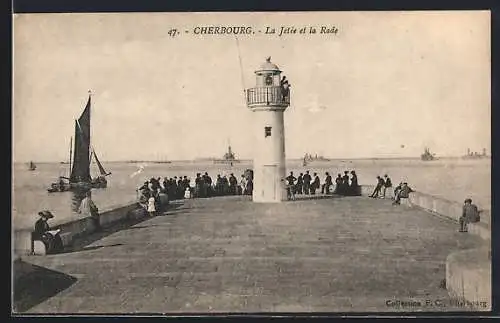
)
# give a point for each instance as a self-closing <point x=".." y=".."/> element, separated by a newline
<point x="267" y="131"/>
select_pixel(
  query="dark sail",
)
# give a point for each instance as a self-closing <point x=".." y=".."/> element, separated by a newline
<point x="81" y="154"/>
<point x="102" y="171"/>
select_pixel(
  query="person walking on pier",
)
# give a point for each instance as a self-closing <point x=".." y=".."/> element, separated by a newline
<point x="387" y="184"/>
<point x="345" y="182"/>
<point x="307" y="182"/>
<point x="470" y="213"/>
<point x="378" y="188"/>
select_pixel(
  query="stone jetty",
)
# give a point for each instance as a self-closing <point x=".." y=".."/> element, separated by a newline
<point x="226" y="254"/>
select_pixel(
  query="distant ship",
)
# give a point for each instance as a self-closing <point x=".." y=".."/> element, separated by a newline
<point x="310" y="158"/>
<point x="475" y="154"/>
<point x="32" y="166"/>
<point x="161" y="162"/>
<point x="427" y="155"/>
<point x="228" y="158"/>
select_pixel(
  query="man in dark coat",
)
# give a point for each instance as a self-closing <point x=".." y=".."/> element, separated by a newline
<point x="307" y="182"/>
<point x="338" y="185"/>
<point x="470" y="214"/>
<point x="300" y="184"/>
<point x="326" y="186"/>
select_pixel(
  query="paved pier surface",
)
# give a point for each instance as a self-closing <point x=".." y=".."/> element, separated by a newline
<point x="230" y="255"/>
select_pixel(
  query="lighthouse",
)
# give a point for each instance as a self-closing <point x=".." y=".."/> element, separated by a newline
<point x="268" y="101"/>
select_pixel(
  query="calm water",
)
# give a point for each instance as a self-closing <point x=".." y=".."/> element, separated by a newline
<point x="447" y="178"/>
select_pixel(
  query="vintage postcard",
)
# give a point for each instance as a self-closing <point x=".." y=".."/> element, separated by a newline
<point x="251" y="162"/>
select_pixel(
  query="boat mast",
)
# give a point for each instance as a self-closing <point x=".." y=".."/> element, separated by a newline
<point x="70" y="154"/>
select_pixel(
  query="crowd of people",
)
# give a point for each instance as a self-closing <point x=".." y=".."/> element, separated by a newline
<point x="307" y="184"/>
<point x="180" y="187"/>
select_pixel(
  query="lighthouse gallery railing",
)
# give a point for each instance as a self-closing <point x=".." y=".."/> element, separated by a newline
<point x="270" y="95"/>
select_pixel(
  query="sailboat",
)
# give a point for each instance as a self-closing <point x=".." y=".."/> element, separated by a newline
<point x="83" y="152"/>
<point x="32" y="166"/>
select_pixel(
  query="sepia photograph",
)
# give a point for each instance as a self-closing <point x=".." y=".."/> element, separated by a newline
<point x="168" y="163"/>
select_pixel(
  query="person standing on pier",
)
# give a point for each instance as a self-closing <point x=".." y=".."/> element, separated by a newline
<point x="315" y="184"/>
<point x="338" y="185"/>
<point x="88" y="208"/>
<point x="307" y="182"/>
<point x="225" y="185"/>
<point x="354" y="188"/>
<point x="300" y="184"/>
<point x="387" y="184"/>
<point x="243" y="184"/>
<point x="198" y="182"/>
<point x="290" y="187"/>
<point x="218" y="185"/>
<point x="470" y="213"/>
<point x="151" y="206"/>
<point x="345" y="182"/>
<point x="233" y="184"/>
<point x="180" y="188"/>
<point x="326" y="186"/>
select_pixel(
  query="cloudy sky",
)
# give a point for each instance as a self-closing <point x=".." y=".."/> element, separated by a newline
<point x="386" y="85"/>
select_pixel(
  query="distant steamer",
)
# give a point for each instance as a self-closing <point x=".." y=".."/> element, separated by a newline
<point x="427" y="155"/>
<point x="475" y="154"/>
<point x="228" y="158"/>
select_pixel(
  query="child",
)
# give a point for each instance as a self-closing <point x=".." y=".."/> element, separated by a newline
<point x="151" y="206"/>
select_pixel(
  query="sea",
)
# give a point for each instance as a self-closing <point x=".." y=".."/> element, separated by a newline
<point x="449" y="178"/>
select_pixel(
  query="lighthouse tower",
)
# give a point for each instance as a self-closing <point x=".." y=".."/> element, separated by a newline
<point x="268" y="100"/>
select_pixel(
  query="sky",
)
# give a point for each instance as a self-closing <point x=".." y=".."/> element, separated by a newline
<point x="387" y="84"/>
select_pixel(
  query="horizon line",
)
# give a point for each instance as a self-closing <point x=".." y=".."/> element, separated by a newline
<point x="163" y="161"/>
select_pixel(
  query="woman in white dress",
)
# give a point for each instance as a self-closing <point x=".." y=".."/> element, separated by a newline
<point x="151" y="206"/>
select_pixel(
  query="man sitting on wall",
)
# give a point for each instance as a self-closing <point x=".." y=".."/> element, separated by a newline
<point x="470" y="214"/>
<point x="51" y="239"/>
<point x="404" y="192"/>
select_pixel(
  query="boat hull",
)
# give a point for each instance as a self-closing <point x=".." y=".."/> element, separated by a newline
<point x="224" y="161"/>
<point x="79" y="186"/>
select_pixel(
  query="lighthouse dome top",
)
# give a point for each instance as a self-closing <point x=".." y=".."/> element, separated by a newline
<point x="268" y="66"/>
